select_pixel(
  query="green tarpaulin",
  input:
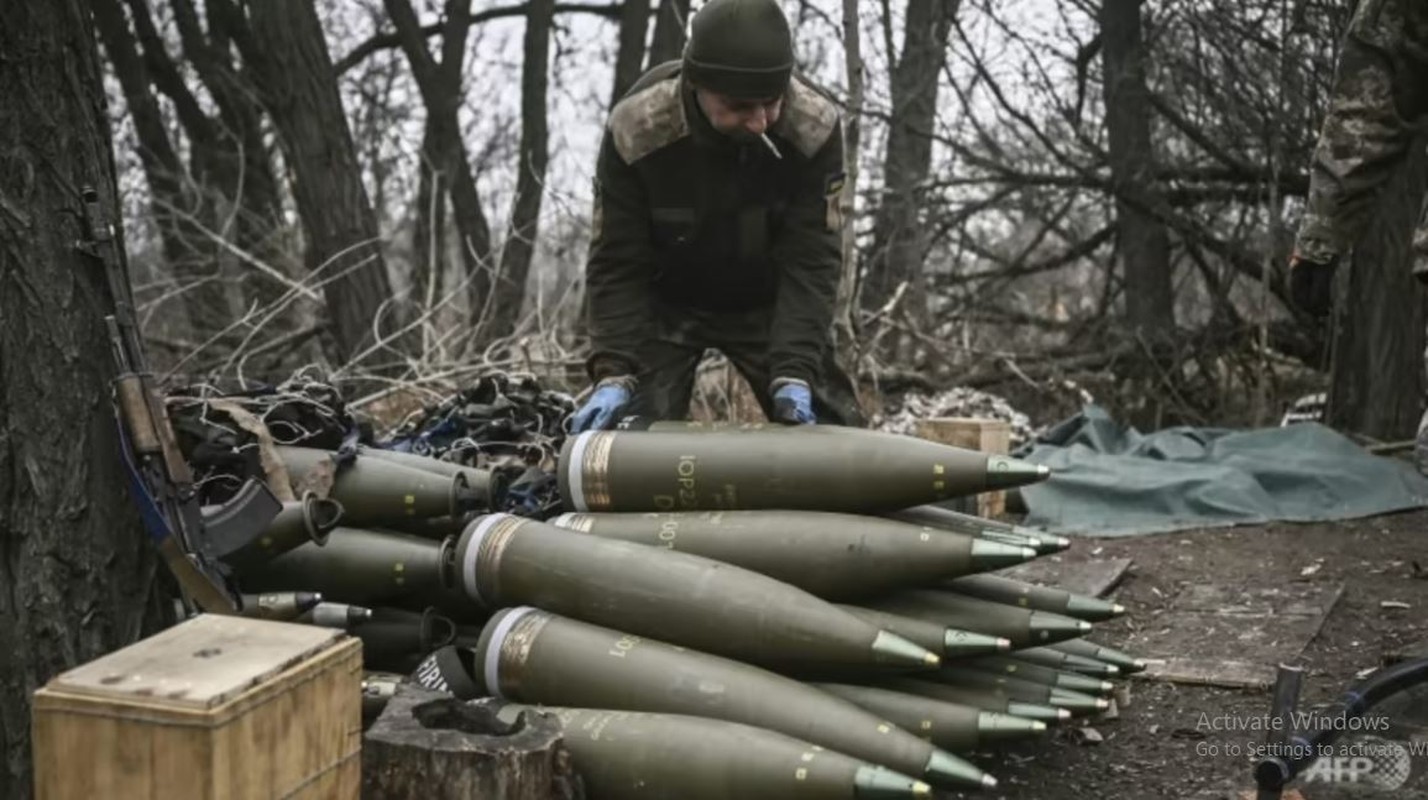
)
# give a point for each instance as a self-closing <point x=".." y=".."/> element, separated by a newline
<point x="1111" y="480"/>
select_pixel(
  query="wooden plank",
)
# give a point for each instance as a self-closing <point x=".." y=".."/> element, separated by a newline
<point x="1292" y="598"/>
<point x="1091" y="578"/>
<point x="199" y="664"/>
<point x="972" y="433"/>
<point x="1230" y="635"/>
<point x="1210" y="672"/>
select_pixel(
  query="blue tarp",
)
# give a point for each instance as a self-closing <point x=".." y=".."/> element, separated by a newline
<point x="1111" y="480"/>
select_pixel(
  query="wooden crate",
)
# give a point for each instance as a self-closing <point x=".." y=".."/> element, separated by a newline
<point x="215" y="708"/>
<point x="986" y="435"/>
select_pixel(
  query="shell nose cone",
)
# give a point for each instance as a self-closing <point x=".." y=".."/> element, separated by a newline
<point x="889" y="648"/>
<point x="1008" y="473"/>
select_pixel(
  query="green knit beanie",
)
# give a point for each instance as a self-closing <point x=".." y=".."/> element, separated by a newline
<point x="742" y="48"/>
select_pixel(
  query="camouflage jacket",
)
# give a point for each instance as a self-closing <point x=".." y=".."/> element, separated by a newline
<point x="686" y="218"/>
<point x="1380" y="102"/>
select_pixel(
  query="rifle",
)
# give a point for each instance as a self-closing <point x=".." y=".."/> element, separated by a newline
<point x="160" y="481"/>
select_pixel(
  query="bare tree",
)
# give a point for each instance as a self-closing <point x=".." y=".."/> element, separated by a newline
<point x="630" y="57"/>
<point x="534" y="155"/>
<point x="173" y="205"/>
<point x="899" y="242"/>
<point x="77" y="566"/>
<point x="234" y="188"/>
<point x="1143" y="244"/>
<point x="445" y="168"/>
<point x="845" y="331"/>
<point x="282" y="42"/>
<point x="668" y="41"/>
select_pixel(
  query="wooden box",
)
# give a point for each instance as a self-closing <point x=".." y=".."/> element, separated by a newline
<point x="986" y="435"/>
<point x="215" y="708"/>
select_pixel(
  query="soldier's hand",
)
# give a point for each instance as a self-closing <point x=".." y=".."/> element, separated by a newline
<point x="598" y="413"/>
<point x="793" y="402"/>
<point x="1311" y="285"/>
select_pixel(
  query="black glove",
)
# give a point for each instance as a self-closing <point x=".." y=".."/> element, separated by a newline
<point x="1311" y="285"/>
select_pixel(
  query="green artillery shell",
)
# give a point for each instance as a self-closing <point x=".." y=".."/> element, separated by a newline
<point x="1050" y="657"/>
<point x="986" y="699"/>
<point x="336" y="615"/>
<point x="1028" y="595"/>
<point x="1024" y="628"/>
<point x="503" y="560"/>
<point x="308" y="520"/>
<point x="950" y="643"/>
<point x="632" y="755"/>
<point x="950" y="726"/>
<point x="815" y="467"/>
<point x="834" y="556"/>
<point x="1018" y="689"/>
<point x="531" y="656"/>
<point x="488" y="488"/>
<point x="356" y="566"/>
<point x="279" y="605"/>
<point x="435" y="528"/>
<point x="1126" y="662"/>
<point x="949" y="520"/>
<point x="395" y="640"/>
<point x="378" y="688"/>
<point x="1015" y="668"/>
<point x="638" y="423"/>
<point x="374" y="492"/>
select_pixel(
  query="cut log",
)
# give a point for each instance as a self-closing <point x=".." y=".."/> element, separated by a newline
<point x="430" y="745"/>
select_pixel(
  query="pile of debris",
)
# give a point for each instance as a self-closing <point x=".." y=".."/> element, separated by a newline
<point x="959" y="401"/>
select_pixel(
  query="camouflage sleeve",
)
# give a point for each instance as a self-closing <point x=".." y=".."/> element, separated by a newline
<point x="620" y="270"/>
<point x="1380" y="93"/>
<point x="809" y="253"/>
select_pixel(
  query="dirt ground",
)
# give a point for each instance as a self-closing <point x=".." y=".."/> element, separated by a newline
<point x="1154" y="749"/>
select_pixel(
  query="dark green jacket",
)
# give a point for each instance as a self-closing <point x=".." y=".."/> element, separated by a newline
<point x="688" y="218"/>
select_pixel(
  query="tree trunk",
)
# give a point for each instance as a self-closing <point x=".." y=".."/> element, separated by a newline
<point x="431" y="745"/>
<point x="246" y="184"/>
<point x="75" y="565"/>
<point x="530" y="182"/>
<point x="284" y="46"/>
<point x="668" y="41"/>
<point x="445" y="168"/>
<point x="630" y="58"/>
<point x="844" y="325"/>
<point x="185" y="251"/>
<point x="1143" y="244"/>
<point x="899" y="239"/>
<point x="1377" y="381"/>
<point x="429" y="232"/>
<point x="210" y="301"/>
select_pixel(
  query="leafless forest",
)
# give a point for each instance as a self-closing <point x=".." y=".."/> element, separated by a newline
<point x="1053" y="199"/>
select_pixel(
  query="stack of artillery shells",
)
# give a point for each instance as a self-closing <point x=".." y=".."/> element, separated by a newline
<point x="703" y="584"/>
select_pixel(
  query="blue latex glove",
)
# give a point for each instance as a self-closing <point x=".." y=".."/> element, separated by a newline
<point x="793" y="402"/>
<point x="599" y="411"/>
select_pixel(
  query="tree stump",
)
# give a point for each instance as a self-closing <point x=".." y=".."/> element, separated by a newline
<point x="431" y="746"/>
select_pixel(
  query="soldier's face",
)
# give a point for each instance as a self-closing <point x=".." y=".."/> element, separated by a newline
<point x="739" y="117"/>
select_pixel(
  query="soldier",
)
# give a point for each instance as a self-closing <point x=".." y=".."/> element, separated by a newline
<point x="1379" y="104"/>
<point x="717" y="225"/>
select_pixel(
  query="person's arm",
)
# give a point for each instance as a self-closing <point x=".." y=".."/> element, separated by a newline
<point x="809" y="257"/>
<point x="1380" y="94"/>
<point x="620" y="270"/>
